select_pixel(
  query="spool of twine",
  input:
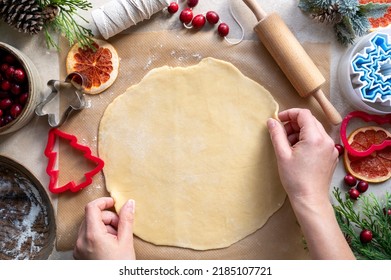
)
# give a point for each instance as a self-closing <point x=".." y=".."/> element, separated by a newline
<point x="118" y="15"/>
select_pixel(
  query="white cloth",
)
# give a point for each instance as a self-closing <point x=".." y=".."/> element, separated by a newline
<point x="118" y="15"/>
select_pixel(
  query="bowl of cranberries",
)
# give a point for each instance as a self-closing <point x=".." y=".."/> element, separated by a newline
<point x="19" y="89"/>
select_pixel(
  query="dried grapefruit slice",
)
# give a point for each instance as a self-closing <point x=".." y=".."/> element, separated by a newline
<point x="99" y="67"/>
<point x="376" y="167"/>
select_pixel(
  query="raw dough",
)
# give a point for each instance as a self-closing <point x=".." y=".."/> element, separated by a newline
<point x="191" y="146"/>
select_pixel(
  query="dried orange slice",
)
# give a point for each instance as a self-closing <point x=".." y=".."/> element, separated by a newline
<point x="376" y="167"/>
<point x="99" y="67"/>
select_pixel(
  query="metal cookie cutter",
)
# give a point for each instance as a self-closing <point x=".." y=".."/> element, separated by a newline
<point x="72" y="87"/>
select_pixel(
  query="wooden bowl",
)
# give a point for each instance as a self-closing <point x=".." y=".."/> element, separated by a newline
<point x="34" y="89"/>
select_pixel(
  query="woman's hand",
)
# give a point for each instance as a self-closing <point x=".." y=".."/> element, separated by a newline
<point x="105" y="235"/>
<point x="306" y="155"/>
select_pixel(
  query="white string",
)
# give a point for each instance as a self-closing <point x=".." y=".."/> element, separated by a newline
<point x="118" y="15"/>
<point x="238" y="23"/>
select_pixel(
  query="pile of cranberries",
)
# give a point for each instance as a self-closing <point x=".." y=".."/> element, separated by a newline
<point x="198" y="21"/>
<point x="14" y="89"/>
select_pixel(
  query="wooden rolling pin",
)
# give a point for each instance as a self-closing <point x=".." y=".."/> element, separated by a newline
<point x="292" y="58"/>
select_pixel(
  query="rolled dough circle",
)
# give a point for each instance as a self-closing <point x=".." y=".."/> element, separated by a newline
<point x="191" y="147"/>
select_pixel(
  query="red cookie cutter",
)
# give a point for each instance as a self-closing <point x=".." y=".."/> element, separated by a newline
<point x="52" y="158"/>
<point x="379" y="119"/>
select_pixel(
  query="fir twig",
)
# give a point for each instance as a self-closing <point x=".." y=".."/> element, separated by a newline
<point x="66" y="24"/>
<point x="349" y="17"/>
<point x="371" y="215"/>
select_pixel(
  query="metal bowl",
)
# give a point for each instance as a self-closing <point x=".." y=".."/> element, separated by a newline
<point x="27" y="221"/>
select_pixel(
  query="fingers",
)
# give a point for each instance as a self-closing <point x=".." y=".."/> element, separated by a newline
<point x="303" y="122"/>
<point x="279" y="138"/>
<point x="125" y="224"/>
<point x="110" y="218"/>
<point x="302" y="117"/>
<point x="93" y="212"/>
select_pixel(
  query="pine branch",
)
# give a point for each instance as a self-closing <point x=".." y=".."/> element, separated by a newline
<point x="367" y="213"/>
<point x="350" y="18"/>
<point x="372" y="10"/>
<point x="66" y="22"/>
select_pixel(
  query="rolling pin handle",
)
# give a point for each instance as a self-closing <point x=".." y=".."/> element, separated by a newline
<point x="328" y="108"/>
<point x="259" y="13"/>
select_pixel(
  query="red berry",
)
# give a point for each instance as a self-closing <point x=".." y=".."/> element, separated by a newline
<point x="212" y="17"/>
<point x="362" y="186"/>
<point x="23" y="98"/>
<point x="8" y="119"/>
<point x="5" y="85"/>
<point x="354" y="193"/>
<point x="366" y="236"/>
<point x="15" y="110"/>
<point x="1" y="113"/>
<point x="350" y="180"/>
<point x="198" y="21"/>
<point x="16" y="89"/>
<point x="19" y="75"/>
<point x="173" y="8"/>
<point x="387" y="211"/>
<point x="4" y="67"/>
<point x="9" y="73"/>
<point x="223" y="29"/>
<point x="5" y="103"/>
<point x="186" y="16"/>
<point x="192" y="3"/>
<point x="340" y="149"/>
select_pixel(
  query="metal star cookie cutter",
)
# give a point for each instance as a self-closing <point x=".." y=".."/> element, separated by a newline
<point x="73" y="84"/>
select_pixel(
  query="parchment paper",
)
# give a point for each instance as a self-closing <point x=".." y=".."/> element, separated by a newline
<point x="281" y="237"/>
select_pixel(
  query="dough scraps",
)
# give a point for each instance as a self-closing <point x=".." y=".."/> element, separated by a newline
<point x="191" y="147"/>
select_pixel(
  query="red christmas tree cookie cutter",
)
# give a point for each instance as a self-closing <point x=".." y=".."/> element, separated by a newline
<point x="55" y="133"/>
<point x="379" y="119"/>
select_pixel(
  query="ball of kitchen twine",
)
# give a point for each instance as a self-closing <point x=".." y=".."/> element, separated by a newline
<point x="118" y="15"/>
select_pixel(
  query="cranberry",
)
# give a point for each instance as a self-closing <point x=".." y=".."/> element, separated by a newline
<point x="23" y="98"/>
<point x="366" y="236"/>
<point x="1" y="113"/>
<point x="223" y="29"/>
<point x="9" y="73"/>
<point x="362" y="186"/>
<point x="192" y="3"/>
<point x="16" y="89"/>
<point x="8" y="119"/>
<point x="354" y="193"/>
<point x="15" y="110"/>
<point x="350" y="180"/>
<point x="387" y="211"/>
<point x="5" y="103"/>
<point x="340" y="149"/>
<point x="19" y="75"/>
<point x="5" y="85"/>
<point x="212" y="17"/>
<point x="173" y="8"/>
<point x="186" y="16"/>
<point x="198" y="21"/>
<point x="4" y="67"/>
